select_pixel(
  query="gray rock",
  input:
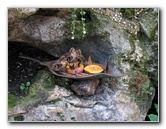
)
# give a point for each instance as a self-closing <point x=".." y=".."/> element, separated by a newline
<point x="36" y="27"/>
<point x="149" y="22"/>
<point x="21" y="12"/>
<point x="64" y="106"/>
<point x="85" y="87"/>
<point x="49" y="102"/>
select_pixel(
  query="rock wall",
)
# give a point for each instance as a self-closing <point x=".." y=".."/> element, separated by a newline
<point x="131" y="44"/>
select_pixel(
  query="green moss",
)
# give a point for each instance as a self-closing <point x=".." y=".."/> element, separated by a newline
<point x="142" y="63"/>
<point x="41" y="84"/>
<point x="149" y="23"/>
<point x="19" y="118"/>
<point x="63" y="82"/>
<point x="127" y="12"/>
<point x="132" y="43"/>
<point x="142" y="45"/>
<point x="43" y="79"/>
<point x="94" y="24"/>
<point x="38" y="91"/>
<point x="12" y="99"/>
<point x="33" y="99"/>
<point x="142" y="97"/>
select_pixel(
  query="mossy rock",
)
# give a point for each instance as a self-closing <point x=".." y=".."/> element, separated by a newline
<point x="38" y="91"/>
<point x="40" y="87"/>
<point x="145" y="95"/>
<point x="127" y="12"/>
<point x="12" y="99"/>
<point x="63" y="82"/>
<point x="149" y="23"/>
<point x="43" y="80"/>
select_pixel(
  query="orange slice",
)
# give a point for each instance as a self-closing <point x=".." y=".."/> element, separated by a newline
<point x="93" y="69"/>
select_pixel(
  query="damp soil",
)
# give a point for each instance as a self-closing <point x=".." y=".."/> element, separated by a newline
<point x="22" y="70"/>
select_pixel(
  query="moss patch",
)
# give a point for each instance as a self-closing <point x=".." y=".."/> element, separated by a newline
<point x="12" y="99"/>
<point x="149" y="23"/>
<point x="127" y="12"/>
<point x="63" y="82"/>
<point x="41" y="84"/>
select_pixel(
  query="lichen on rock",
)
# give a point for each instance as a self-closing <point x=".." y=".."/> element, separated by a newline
<point x="149" y="22"/>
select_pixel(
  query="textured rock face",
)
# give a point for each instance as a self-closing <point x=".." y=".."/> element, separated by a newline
<point x="21" y="12"/>
<point x="149" y="23"/>
<point x="59" y="104"/>
<point x="115" y="99"/>
<point x="49" y="102"/>
<point x="85" y="87"/>
<point x="71" y="108"/>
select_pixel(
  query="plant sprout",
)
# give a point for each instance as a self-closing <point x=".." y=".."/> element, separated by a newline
<point x="24" y="86"/>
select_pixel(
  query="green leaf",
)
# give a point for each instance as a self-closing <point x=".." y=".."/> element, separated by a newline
<point x="74" y="16"/>
<point x="83" y="19"/>
<point x="75" y="9"/>
<point x="22" y="87"/>
<point x="156" y="107"/>
<point x="82" y="12"/>
<point x="151" y="89"/>
<point x="28" y="84"/>
<point x="153" y="117"/>
<point x="132" y="97"/>
<point x="61" y="114"/>
<point x="83" y="24"/>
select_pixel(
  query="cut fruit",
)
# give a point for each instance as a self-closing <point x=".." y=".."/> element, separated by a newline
<point x="93" y="69"/>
